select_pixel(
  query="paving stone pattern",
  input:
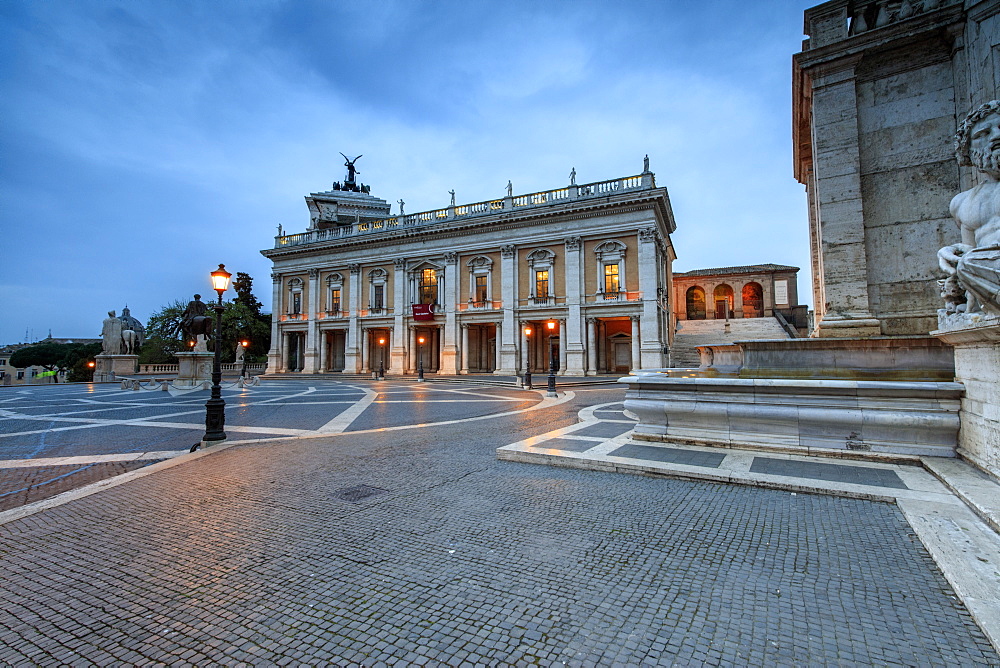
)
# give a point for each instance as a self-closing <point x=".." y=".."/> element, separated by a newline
<point x="19" y="486"/>
<point x="858" y="475"/>
<point x="659" y="453"/>
<point x="248" y="556"/>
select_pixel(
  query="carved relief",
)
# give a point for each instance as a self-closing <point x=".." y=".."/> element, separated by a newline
<point x="314" y="273"/>
<point x="451" y="257"/>
<point x="648" y="234"/>
<point x="572" y="243"/>
<point x="399" y="263"/>
<point x="355" y="268"/>
<point x="508" y="251"/>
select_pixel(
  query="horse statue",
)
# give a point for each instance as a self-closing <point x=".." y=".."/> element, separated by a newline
<point x="195" y="322"/>
<point x="130" y="342"/>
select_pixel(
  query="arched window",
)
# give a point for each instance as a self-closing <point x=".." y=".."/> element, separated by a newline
<point x="295" y="296"/>
<point x="695" y="303"/>
<point x="753" y="300"/>
<point x="724" y="301"/>
<point x="610" y="269"/>
<point x="480" y="281"/>
<point x="334" y="292"/>
<point x="376" y="293"/>
<point x="541" y="263"/>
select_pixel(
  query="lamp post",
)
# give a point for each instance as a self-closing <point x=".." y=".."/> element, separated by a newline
<point x="215" y="407"/>
<point x="420" y="359"/>
<point x="381" y="359"/>
<point x="551" y="390"/>
<point x="527" y="358"/>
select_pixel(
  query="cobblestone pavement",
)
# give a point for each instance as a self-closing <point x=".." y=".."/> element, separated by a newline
<point x="419" y="546"/>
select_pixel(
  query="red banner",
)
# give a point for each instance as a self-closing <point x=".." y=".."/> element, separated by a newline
<point x="423" y="312"/>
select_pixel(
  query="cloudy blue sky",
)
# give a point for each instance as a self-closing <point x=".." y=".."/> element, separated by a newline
<point x="143" y="143"/>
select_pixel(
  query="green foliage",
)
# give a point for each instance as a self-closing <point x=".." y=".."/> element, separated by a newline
<point x="55" y="356"/>
<point x="243" y="323"/>
<point x="243" y="285"/>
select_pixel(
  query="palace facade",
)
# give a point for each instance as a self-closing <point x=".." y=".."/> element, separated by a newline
<point x="578" y="277"/>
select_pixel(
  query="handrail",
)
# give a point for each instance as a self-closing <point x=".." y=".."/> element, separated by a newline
<point x="785" y="325"/>
<point x="485" y="208"/>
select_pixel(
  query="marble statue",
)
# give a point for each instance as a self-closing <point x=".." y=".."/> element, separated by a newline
<point x="572" y="177"/>
<point x="974" y="264"/>
<point x="130" y="341"/>
<point x="111" y="333"/>
<point x="351" y="171"/>
<point x="240" y="351"/>
<point x="452" y="193"/>
<point x="645" y="164"/>
<point x="401" y="203"/>
<point x="510" y="189"/>
<point x="280" y="231"/>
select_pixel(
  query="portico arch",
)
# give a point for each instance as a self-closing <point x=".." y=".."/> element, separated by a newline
<point x="695" y="298"/>
<point x="753" y="300"/>
<point x="723" y="300"/>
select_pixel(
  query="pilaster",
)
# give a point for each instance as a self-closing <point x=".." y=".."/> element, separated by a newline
<point x="571" y="332"/>
<point x="507" y="346"/>
<point x="274" y="354"/>
<point x="353" y="362"/>
<point x="449" y="348"/>
<point x="397" y="353"/>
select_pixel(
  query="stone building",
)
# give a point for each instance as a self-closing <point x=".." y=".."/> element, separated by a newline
<point x="877" y="90"/>
<point x="578" y="276"/>
<point x="753" y="291"/>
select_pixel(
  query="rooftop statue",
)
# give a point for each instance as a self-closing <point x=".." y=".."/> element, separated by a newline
<point x="572" y="177"/>
<point x="974" y="264"/>
<point x="351" y="171"/>
<point x="401" y="203"/>
<point x="452" y="192"/>
<point x="510" y="189"/>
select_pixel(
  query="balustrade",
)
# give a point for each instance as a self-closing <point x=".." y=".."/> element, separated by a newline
<point x="465" y="210"/>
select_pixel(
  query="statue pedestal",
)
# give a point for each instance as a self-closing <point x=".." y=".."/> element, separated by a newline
<point x="109" y="368"/>
<point x="976" y="339"/>
<point x="194" y="370"/>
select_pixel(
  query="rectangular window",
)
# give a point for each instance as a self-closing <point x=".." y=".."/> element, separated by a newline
<point x="334" y="300"/>
<point x="378" y="296"/>
<point x="428" y="286"/>
<point x="542" y="283"/>
<point x="611" y="285"/>
<point x="481" y="295"/>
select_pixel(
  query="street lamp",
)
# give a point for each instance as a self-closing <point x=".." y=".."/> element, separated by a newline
<point x="215" y="407"/>
<point x="551" y="390"/>
<point x="381" y="359"/>
<point x="420" y="359"/>
<point x="527" y="358"/>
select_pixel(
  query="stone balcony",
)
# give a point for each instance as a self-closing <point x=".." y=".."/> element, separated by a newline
<point x="513" y="203"/>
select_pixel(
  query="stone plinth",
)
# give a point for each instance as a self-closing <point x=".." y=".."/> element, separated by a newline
<point x="109" y="368"/>
<point x="802" y="416"/>
<point x="919" y="358"/>
<point x="194" y="369"/>
<point x="976" y="340"/>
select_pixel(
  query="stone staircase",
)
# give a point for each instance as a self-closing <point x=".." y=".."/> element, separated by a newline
<point x="693" y="333"/>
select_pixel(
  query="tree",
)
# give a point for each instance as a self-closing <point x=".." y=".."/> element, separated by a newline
<point x="243" y="285"/>
<point x="163" y="335"/>
<point x="54" y="357"/>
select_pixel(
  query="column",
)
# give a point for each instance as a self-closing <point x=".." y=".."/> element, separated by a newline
<point x="591" y="346"/>
<point x="465" y="348"/>
<point x="571" y="349"/>
<point x="562" y="350"/>
<point x="352" y="351"/>
<point x="324" y="343"/>
<point x="310" y="361"/>
<point x="364" y="350"/>
<point x="636" y="359"/>
<point x="449" y="349"/>
<point x="412" y="350"/>
<point x="399" y="310"/>
<point x="650" y="344"/>
<point x="274" y="363"/>
<point x="496" y="347"/>
<point x="846" y="309"/>
<point x="507" y="346"/>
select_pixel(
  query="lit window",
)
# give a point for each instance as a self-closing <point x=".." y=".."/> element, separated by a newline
<point x="428" y="286"/>
<point x="334" y="300"/>
<point x="481" y="289"/>
<point x="542" y="283"/>
<point x="611" y="279"/>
